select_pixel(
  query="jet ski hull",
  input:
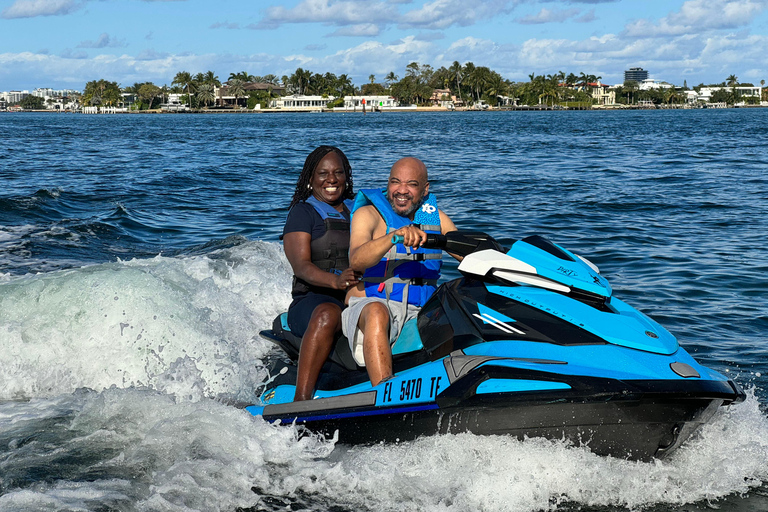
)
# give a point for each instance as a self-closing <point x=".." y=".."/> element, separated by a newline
<point x="634" y="429"/>
<point x="632" y="419"/>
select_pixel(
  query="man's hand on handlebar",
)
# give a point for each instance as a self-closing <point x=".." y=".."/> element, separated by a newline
<point x="409" y="236"/>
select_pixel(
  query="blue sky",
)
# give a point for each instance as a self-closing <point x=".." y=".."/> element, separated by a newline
<point x="65" y="43"/>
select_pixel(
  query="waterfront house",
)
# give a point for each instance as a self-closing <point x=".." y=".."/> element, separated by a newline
<point x="301" y="103"/>
<point x="442" y="98"/>
<point x="603" y="94"/>
<point x="705" y="93"/>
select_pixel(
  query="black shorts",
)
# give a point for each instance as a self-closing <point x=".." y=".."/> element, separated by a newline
<point x="300" y="310"/>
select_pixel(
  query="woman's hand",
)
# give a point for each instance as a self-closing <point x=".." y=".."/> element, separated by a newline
<point x="347" y="279"/>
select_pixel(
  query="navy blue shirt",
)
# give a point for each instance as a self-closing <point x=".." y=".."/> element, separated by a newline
<point x="304" y="218"/>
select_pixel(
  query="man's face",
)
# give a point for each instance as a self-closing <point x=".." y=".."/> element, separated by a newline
<point x="407" y="187"/>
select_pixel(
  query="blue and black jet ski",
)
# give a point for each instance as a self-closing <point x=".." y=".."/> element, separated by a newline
<point x="529" y="342"/>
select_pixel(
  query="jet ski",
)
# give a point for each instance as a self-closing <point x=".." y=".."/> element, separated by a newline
<point x="528" y="342"/>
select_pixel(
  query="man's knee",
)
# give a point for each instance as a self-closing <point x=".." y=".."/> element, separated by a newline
<point x="375" y="313"/>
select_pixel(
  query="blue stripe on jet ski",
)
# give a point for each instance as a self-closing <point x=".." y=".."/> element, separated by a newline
<point x="357" y="414"/>
<point x="517" y="385"/>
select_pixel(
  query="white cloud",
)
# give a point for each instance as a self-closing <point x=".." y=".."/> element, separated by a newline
<point x="33" y="8"/>
<point x="225" y="24"/>
<point x="104" y="41"/>
<point x="433" y="15"/>
<point x="342" y="12"/>
<point x="697" y="16"/>
<point x="361" y="30"/>
<point x="587" y="17"/>
<point x="441" y="14"/>
<point x="549" y="16"/>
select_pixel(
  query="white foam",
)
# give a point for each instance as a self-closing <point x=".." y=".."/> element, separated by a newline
<point x="141" y="450"/>
<point x="186" y="325"/>
<point x="144" y="450"/>
<point x="467" y="472"/>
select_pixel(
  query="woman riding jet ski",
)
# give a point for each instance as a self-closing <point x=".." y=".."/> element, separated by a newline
<point x="529" y="342"/>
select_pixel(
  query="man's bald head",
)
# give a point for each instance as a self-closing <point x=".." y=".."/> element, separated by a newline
<point x="408" y="186"/>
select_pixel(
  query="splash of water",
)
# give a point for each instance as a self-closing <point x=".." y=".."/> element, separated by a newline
<point x="152" y="322"/>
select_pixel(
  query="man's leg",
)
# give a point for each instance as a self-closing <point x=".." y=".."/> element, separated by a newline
<point x="374" y="324"/>
<point x="315" y="347"/>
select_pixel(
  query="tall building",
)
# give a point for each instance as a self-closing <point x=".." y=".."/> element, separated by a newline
<point x="635" y="75"/>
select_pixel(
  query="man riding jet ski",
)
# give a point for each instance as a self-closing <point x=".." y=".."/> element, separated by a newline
<point x="528" y="342"/>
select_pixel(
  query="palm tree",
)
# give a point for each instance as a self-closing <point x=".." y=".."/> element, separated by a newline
<point x="205" y="93"/>
<point x="732" y="80"/>
<point x="671" y="96"/>
<point x="236" y="89"/>
<point x="469" y="75"/>
<point x="243" y="75"/>
<point x="456" y="71"/>
<point x="300" y="79"/>
<point x="391" y="78"/>
<point x="372" y="78"/>
<point x="211" y="78"/>
<point x="630" y="86"/>
<point x="184" y="79"/>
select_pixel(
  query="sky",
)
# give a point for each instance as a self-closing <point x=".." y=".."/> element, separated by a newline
<point x="63" y="44"/>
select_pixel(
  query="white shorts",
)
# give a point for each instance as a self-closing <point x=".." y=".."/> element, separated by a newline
<point x="351" y="316"/>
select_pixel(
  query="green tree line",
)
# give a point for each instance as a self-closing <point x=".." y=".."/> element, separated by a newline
<point x="468" y="83"/>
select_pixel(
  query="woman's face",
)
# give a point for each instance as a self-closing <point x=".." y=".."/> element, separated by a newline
<point x="329" y="181"/>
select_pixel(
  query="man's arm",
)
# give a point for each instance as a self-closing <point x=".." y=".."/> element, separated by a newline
<point x="364" y="250"/>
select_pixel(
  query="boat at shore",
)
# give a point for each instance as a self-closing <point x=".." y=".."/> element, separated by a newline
<point x="530" y="342"/>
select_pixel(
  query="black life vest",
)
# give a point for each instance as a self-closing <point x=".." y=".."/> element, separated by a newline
<point x="329" y="252"/>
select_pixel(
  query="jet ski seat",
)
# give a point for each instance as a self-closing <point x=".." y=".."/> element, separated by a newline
<point x="341" y="354"/>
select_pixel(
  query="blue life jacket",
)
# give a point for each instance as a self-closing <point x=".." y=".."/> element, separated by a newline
<point x="329" y="252"/>
<point x="403" y="272"/>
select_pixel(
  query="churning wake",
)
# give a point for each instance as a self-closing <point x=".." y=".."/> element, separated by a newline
<point x="115" y="383"/>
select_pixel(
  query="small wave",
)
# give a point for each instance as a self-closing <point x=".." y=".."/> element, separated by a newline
<point x="126" y="323"/>
<point x="48" y="193"/>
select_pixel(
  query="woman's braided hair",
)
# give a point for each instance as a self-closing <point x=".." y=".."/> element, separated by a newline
<point x="310" y="164"/>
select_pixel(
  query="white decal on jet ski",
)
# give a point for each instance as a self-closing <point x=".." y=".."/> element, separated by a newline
<point x="498" y="324"/>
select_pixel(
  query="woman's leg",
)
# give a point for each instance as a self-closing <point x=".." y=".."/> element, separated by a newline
<point x="316" y="345"/>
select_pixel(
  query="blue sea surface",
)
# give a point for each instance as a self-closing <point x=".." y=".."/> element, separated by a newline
<point x="139" y="258"/>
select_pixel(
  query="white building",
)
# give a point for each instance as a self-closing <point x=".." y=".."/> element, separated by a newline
<point x="705" y="93"/>
<point x="651" y="83"/>
<point x="14" y="97"/>
<point x="174" y="103"/>
<point x="300" y="102"/>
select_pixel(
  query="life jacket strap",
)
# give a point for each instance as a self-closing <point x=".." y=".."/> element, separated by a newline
<point x="416" y="281"/>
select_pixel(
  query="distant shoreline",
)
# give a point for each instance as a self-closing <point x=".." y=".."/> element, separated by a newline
<point x="525" y="108"/>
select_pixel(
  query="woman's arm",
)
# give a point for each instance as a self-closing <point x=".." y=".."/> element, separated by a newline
<point x="299" y="254"/>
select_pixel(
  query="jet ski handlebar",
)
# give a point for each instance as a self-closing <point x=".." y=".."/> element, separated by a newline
<point x="460" y="243"/>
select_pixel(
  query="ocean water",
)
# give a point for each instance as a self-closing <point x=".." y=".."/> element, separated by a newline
<point x="139" y="258"/>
